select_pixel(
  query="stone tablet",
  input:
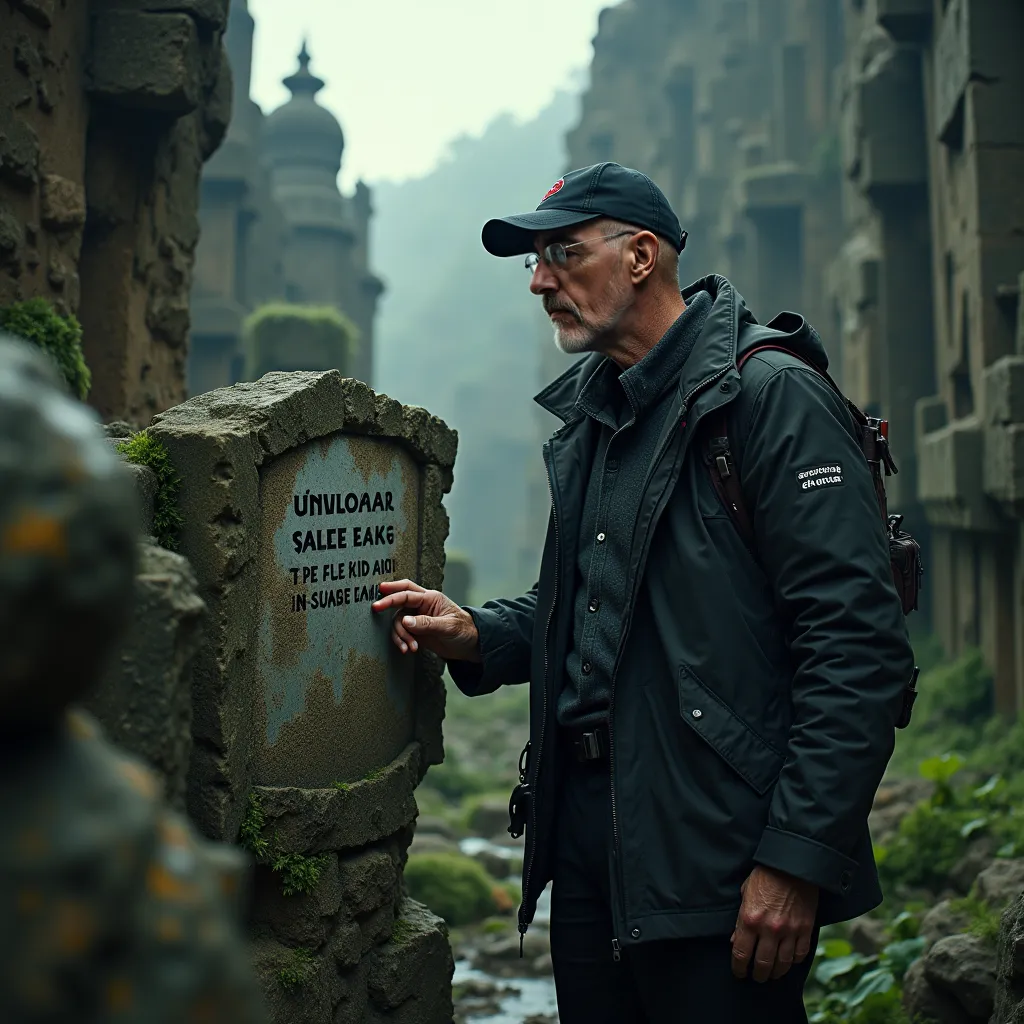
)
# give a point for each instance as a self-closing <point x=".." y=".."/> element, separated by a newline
<point x="340" y="514"/>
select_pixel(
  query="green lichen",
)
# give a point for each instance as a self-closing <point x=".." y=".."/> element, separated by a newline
<point x="299" y="873"/>
<point x="402" y="931"/>
<point x="342" y="787"/>
<point x="60" y="336"/>
<point x="300" y="969"/>
<point x="143" y="449"/>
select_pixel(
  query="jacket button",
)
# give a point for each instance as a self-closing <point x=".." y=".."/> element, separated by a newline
<point x="845" y="880"/>
<point x="594" y="604"/>
<point x="635" y="933"/>
<point x="586" y="668"/>
<point x="611" y="465"/>
<point x="697" y="712"/>
<point x="600" y="538"/>
<point x="724" y="386"/>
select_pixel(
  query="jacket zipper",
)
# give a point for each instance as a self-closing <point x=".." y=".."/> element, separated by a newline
<point x="616" y="948"/>
<point x="537" y="756"/>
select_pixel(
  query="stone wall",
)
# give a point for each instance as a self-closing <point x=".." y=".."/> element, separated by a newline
<point x="310" y="732"/>
<point x="929" y="280"/>
<point x="108" y="109"/>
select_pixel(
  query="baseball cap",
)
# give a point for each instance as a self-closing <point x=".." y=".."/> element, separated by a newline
<point x="601" y="190"/>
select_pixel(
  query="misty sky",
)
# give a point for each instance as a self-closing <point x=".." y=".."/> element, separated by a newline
<point x="405" y="77"/>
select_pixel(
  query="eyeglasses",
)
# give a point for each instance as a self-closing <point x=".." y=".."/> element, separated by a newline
<point x="557" y="254"/>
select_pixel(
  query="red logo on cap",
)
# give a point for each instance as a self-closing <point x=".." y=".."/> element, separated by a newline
<point x="557" y="187"/>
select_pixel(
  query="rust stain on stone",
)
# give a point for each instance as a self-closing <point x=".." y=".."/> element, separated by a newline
<point x="371" y="456"/>
<point x="288" y="631"/>
<point x="340" y="742"/>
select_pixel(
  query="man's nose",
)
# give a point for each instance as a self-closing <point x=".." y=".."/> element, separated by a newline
<point x="543" y="280"/>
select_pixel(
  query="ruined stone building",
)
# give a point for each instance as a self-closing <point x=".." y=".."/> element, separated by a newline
<point x="861" y="162"/>
<point x="275" y="226"/>
<point x="107" y="111"/>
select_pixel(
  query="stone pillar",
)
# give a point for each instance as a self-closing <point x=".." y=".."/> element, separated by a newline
<point x="300" y="493"/>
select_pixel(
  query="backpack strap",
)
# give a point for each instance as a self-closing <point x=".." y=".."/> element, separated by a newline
<point x="722" y="466"/>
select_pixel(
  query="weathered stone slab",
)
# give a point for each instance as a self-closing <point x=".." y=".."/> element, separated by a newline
<point x="312" y="820"/>
<point x="145" y="700"/>
<point x="302" y="920"/>
<point x="339" y="515"/>
<point x="307" y="698"/>
<point x="410" y="976"/>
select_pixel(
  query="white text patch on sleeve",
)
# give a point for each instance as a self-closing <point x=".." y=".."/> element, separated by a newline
<point x="820" y="476"/>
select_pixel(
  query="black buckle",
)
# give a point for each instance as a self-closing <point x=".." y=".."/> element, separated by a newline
<point x="591" y="746"/>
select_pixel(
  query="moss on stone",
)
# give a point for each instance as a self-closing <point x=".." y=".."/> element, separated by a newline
<point x="143" y="449"/>
<point x="402" y="931"/>
<point x="983" y="922"/>
<point x="342" y="787"/>
<point x="299" y="873"/>
<point x="452" y="885"/>
<point x="299" y="969"/>
<point x="283" y="336"/>
<point x="60" y="336"/>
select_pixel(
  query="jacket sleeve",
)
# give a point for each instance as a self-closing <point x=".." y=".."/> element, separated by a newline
<point x="821" y="542"/>
<point x="506" y="640"/>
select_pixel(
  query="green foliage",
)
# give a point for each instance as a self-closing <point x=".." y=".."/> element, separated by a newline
<point x="453" y="886"/>
<point x="847" y="987"/>
<point x="983" y="921"/>
<point x="38" y="322"/>
<point x="300" y="968"/>
<point x="953" y="711"/>
<point x="299" y="873"/>
<point x="251" y="833"/>
<point x="282" y="336"/>
<point x="143" y="449"/>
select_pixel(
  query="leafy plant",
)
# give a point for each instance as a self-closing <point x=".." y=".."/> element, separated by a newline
<point x="983" y="921"/>
<point x="300" y="873"/>
<point x="299" y="969"/>
<point x="60" y="336"/>
<point x="143" y="449"/>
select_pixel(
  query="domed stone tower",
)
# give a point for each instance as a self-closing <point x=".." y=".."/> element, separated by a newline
<point x="274" y="224"/>
<point x="324" y="261"/>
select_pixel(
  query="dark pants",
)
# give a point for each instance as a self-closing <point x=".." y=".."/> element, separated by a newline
<point x="681" y="981"/>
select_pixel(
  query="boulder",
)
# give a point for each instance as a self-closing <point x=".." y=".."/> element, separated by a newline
<point x="489" y="818"/>
<point x="943" y="920"/>
<point x="978" y="856"/>
<point x="1009" y="1005"/>
<point x="964" y="967"/>
<point x="1001" y="882"/>
<point x="923" y="1001"/>
<point x="867" y="935"/>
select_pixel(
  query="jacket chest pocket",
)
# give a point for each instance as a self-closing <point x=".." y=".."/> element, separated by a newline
<point x="755" y="760"/>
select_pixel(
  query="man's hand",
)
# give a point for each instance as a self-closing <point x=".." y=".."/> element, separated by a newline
<point x="436" y="622"/>
<point x="775" y="924"/>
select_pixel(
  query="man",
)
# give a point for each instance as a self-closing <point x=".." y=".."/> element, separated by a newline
<point x="113" y="909"/>
<point x="709" y="723"/>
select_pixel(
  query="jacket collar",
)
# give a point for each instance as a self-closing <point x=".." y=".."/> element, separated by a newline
<point x="714" y="353"/>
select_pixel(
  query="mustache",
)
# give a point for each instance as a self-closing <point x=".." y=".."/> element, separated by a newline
<point x="551" y="306"/>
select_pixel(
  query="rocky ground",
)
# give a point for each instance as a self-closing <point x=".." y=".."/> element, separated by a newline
<point x="947" y="946"/>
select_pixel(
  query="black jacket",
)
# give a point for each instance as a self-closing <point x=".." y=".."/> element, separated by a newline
<point x="755" y="698"/>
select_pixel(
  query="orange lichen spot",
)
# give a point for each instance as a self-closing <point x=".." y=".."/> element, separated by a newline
<point x="173" y="832"/>
<point x="120" y="995"/>
<point x="29" y="901"/>
<point x="141" y="780"/>
<point x="34" y="534"/>
<point x="169" y="929"/>
<point x="80" y="727"/>
<point x="73" y="927"/>
<point x="165" y="886"/>
<point x="31" y="843"/>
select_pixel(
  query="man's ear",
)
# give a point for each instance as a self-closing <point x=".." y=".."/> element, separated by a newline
<point x="645" y="248"/>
